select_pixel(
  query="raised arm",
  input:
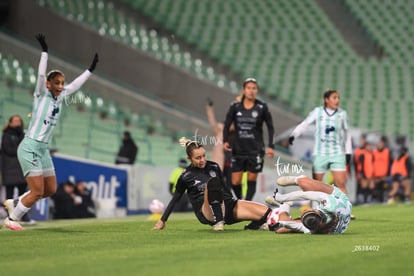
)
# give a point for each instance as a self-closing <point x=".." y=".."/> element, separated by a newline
<point x="226" y="128"/>
<point x="211" y="116"/>
<point x="80" y="80"/>
<point x="41" y="72"/>
<point x="299" y="129"/>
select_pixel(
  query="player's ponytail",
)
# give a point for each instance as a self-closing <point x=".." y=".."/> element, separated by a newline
<point x="189" y="145"/>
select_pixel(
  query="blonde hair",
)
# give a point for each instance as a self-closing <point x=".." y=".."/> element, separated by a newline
<point x="189" y="145"/>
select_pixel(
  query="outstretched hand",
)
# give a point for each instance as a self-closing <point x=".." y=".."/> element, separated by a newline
<point x="42" y="41"/>
<point x="291" y="139"/>
<point x="94" y="62"/>
<point x="160" y="225"/>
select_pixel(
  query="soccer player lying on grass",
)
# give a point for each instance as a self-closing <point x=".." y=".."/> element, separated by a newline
<point x="333" y="214"/>
<point x="212" y="200"/>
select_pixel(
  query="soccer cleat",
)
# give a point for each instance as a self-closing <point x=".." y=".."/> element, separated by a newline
<point x="12" y="225"/>
<point x="391" y="201"/>
<point x="9" y="205"/>
<point x="219" y="226"/>
<point x="272" y="201"/>
<point x="287" y="180"/>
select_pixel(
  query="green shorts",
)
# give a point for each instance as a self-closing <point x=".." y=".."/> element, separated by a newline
<point x="321" y="164"/>
<point x="34" y="156"/>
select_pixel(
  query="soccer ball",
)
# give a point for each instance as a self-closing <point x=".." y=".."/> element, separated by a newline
<point x="156" y="206"/>
<point x="273" y="217"/>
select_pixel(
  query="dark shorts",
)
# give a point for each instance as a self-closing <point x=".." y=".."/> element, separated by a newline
<point x="229" y="218"/>
<point x="250" y="163"/>
<point x="398" y="177"/>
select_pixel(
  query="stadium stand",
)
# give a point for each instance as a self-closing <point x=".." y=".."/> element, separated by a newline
<point x="107" y="20"/>
<point x="90" y="127"/>
<point x="292" y="47"/>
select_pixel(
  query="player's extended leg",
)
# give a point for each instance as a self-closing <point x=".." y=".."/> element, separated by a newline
<point x="406" y="183"/>
<point x="213" y="207"/>
<point x="340" y="180"/>
<point x="305" y="183"/>
<point x="50" y="185"/>
<point x="236" y="180"/>
<point x="36" y="188"/>
<point x="318" y="176"/>
<point x="36" y="191"/>
<point x="394" y="190"/>
<point x="251" y="185"/>
<point x="250" y="210"/>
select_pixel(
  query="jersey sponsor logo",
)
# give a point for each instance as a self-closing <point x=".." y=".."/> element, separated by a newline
<point x="55" y="111"/>
<point x="46" y="122"/>
<point x="329" y="129"/>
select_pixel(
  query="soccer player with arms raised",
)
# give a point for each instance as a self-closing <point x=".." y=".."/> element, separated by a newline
<point x="33" y="152"/>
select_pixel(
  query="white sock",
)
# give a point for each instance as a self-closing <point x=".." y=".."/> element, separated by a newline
<point x="296" y="178"/>
<point x="285" y="208"/>
<point x="295" y="226"/>
<point x="299" y="196"/>
<point x="19" y="211"/>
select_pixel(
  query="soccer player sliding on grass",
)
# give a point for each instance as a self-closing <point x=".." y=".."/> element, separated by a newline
<point x="33" y="152"/>
<point x="331" y="216"/>
<point x="212" y="200"/>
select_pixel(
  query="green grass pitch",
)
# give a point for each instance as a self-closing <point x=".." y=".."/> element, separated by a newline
<point x="379" y="242"/>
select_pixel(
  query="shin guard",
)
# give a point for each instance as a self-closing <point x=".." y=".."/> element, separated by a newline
<point x="215" y="198"/>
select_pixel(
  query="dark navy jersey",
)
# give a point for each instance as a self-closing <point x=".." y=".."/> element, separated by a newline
<point x="194" y="181"/>
<point x="249" y="128"/>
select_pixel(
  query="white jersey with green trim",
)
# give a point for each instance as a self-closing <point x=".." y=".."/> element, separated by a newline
<point x="47" y="108"/>
<point x="336" y="204"/>
<point x="331" y="136"/>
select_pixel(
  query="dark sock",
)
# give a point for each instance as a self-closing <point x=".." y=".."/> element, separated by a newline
<point x="365" y="194"/>
<point x="217" y="212"/>
<point x="251" y="189"/>
<point x="237" y="190"/>
<point x="255" y="225"/>
<point x="215" y="198"/>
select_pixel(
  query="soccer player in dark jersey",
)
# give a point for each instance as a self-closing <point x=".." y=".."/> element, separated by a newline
<point x="212" y="201"/>
<point x="248" y="148"/>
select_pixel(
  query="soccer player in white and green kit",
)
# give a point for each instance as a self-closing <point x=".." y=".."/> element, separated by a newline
<point x="332" y="214"/>
<point x="333" y="147"/>
<point x="33" y="152"/>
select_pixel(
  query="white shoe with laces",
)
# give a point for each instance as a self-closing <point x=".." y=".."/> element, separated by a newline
<point x="286" y="180"/>
<point x="9" y="205"/>
<point x="12" y="225"/>
<point x="272" y="201"/>
<point x="219" y="226"/>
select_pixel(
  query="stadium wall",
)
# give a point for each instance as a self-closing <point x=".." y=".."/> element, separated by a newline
<point x="78" y="43"/>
